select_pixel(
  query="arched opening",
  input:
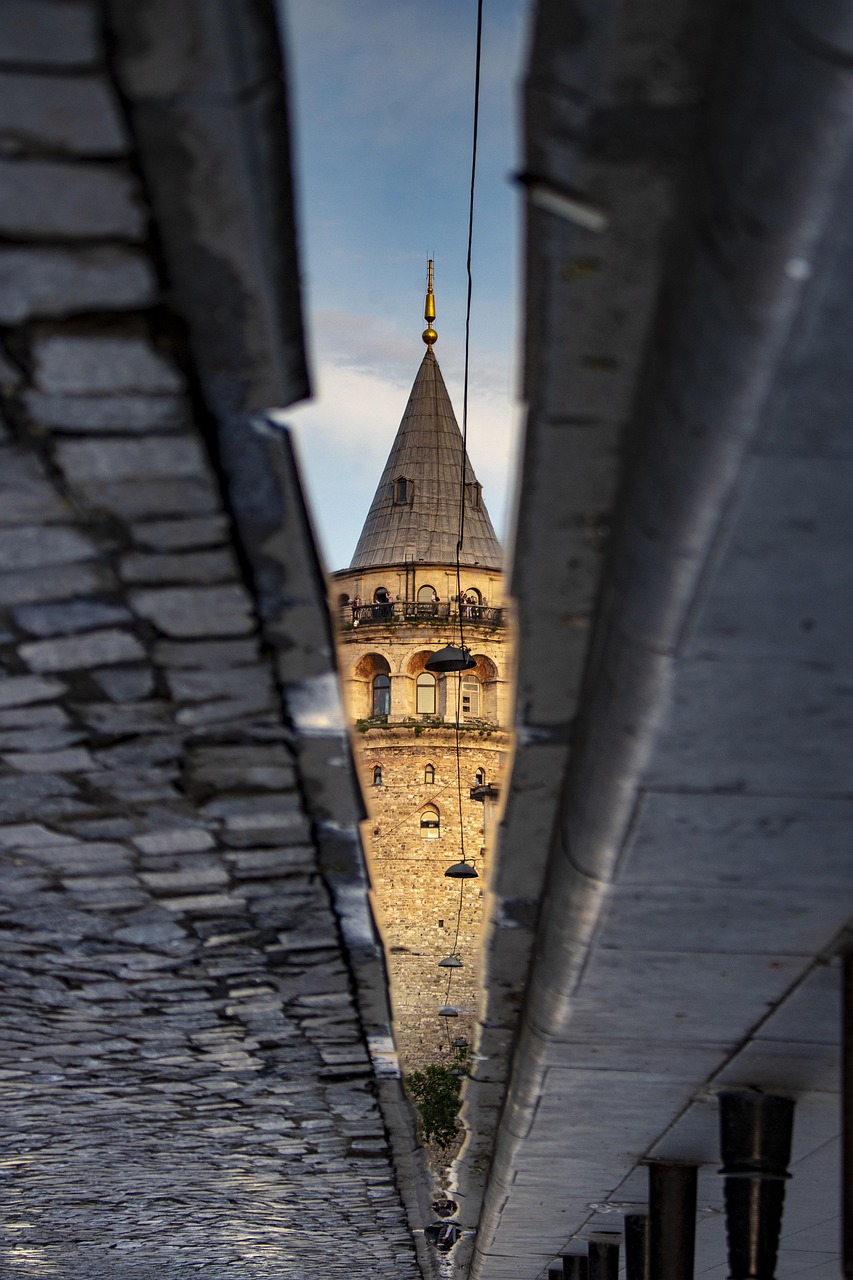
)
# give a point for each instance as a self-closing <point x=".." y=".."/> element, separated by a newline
<point x="426" y="594"/>
<point x="430" y="823"/>
<point x="470" y="698"/>
<point x="381" y="695"/>
<point x="429" y="774"/>
<point x="480" y="777"/>
<point x="473" y="596"/>
<point x="425" y="694"/>
<point x="377" y="775"/>
<point x="343" y="598"/>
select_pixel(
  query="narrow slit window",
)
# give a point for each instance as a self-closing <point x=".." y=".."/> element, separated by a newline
<point x="377" y="775"/>
<point x="429" y="774"/>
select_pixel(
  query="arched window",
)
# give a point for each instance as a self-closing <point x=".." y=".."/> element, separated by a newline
<point x="429" y="774"/>
<point x="425" y="594"/>
<point x="377" y="775"/>
<point x="473" y="596"/>
<point x="430" y="823"/>
<point x="381" y="695"/>
<point x="480" y="777"/>
<point x="426" y="694"/>
<point x="470" y="698"/>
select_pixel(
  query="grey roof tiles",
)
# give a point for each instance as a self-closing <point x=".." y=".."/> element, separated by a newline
<point x="427" y="453"/>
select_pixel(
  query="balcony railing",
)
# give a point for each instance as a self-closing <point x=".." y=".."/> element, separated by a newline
<point x="403" y="611"/>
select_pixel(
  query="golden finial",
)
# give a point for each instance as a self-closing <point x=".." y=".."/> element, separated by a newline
<point x="429" y="334"/>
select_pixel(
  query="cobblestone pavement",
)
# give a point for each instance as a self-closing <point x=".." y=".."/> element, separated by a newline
<point x="184" y="1086"/>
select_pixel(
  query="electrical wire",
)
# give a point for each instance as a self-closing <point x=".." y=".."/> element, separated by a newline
<point x="462" y="480"/>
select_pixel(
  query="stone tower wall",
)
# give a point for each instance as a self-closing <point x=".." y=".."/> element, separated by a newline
<point x="423" y="915"/>
<point x="417" y="906"/>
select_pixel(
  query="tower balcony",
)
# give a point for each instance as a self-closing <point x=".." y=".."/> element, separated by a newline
<point x="413" y="612"/>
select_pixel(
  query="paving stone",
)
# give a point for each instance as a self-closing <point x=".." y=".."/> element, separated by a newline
<point x="44" y="283"/>
<point x="30" y="717"/>
<point x="124" y="684"/>
<point x="94" y="648"/>
<point x="68" y="617"/>
<point x="74" y="760"/>
<point x="32" y="547"/>
<point x="26" y="496"/>
<point x="172" y="535"/>
<point x="75" y="114"/>
<point x="201" y="611"/>
<point x="97" y="200"/>
<point x="235" y="682"/>
<point x="113" y="414"/>
<point x="25" y="587"/>
<point x="133" y="499"/>
<point x="46" y="739"/>
<point x="199" y="568"/>
<point x="177" y="840"/>
<point x="41" y="33"/>
<point x="130" y="718"/>
<point x="20" y="690"/>
<point x="76" y="363"/>
<point x="210" y="653"/>
<point x="100" y="459"/>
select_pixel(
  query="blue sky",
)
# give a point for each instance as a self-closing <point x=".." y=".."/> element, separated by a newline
<point x="382" y="113"/>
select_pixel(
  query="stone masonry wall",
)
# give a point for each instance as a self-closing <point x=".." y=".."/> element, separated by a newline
<point x="423" y="915"/>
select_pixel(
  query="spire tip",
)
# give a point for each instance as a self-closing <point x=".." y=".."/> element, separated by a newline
<point x="429" y="334"/>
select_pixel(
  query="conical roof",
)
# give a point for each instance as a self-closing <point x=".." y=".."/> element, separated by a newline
<point x="419" y="519"/>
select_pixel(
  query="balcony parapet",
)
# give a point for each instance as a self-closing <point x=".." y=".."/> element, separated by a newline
<point x="409" y="612"/>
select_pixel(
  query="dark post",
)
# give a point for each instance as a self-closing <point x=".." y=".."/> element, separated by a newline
<point x="847" y="1116"/>
<point x="555" y="1273"/>
<point x="636" y="1246"/>
<point x="755" y="1139"/>
<point x="603" y="1260"/>
<point x="575" y="1267"/>
<point x="672" y="1221"/>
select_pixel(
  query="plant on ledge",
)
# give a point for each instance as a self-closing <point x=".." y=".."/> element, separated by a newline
<point x="437" y="1093"/>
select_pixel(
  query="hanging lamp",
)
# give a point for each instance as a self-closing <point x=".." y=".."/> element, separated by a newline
<point x="462" y="871"/>
<point x="447" y="1011"/>
<point x="450" y="962"/>
<point x="449" y="659"/>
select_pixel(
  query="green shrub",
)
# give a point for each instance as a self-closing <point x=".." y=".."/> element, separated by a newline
<point x="436" y="1092"/>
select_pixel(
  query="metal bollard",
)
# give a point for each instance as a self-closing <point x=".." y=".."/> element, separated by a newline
<point x="636" y="1246"/>
<point x="575" y="1267"/>
<point x="603" y="1260"/>
<point x="755" y="1140"/>
<point x="672" y="1221"/>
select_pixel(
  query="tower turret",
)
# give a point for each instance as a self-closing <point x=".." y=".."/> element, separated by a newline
<point x="430" y="747"/>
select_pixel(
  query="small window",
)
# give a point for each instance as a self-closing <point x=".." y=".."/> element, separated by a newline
<point x="480" y="777"/>
<point x="474" y="495"/>
<point x="430" y="823"/>
<point x="426" y="694"/>
<point x="471" y="698"/>
<point x="377" y="775"/>
<point x="381" y="695"/>
<point x="403" y="491"/>
<point x="429" y="774"/>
